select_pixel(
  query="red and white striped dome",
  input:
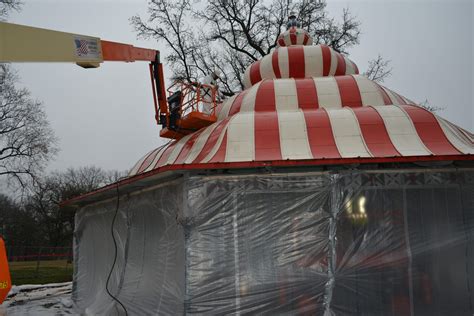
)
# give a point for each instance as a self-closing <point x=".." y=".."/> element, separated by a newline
<point x="307" y="105"/>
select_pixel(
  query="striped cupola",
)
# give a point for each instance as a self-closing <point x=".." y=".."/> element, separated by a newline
<point x="307" y="104"/>
<point x="297" y="58"/>
<point x="294" y="36"/>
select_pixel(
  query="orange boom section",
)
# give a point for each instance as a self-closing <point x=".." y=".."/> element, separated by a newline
<point x="5" y="282"/>
<point x="182" y="116"/>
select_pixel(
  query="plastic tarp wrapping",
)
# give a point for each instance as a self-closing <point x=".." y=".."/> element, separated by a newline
<point x="335" y="243"/>
<point x="148" y="277"/>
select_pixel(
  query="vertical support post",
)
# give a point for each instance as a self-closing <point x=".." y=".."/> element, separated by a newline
<point x="199" y="98"/>
<point x="409" y="255"/>
<point x="38" y="259"/>
<point x="185" y="214"/>
<point x="334" y="206"/>
<point x="214" y="100"/>
<point x="235" y="228"/>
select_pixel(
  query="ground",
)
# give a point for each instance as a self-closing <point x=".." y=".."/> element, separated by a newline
<point x="42" y="288"/>
<point x="40" y="272"/>
<point x="39" y="300"/>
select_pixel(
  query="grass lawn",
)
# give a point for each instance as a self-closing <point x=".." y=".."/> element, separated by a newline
<point x="27" y="272"/>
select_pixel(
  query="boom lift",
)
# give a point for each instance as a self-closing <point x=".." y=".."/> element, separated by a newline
<point x="179" y="114"/>
<point x="184" y="115"/>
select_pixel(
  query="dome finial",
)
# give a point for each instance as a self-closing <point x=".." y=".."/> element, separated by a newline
<point x="292" y="21"/>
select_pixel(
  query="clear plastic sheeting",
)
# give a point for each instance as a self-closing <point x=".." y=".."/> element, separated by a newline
<point x="148" y="276"/>
<point x="347" y="243"/>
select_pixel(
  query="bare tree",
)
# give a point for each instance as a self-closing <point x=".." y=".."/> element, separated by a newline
<point x="27" y="141"/>
<point x="45" y="196"/>
<point x="18" y="227"/>
<point x="6" y="6"/>
<point x="39" y="219"/>
<point x="229" y="35"/>
<point x="432" y="108"/>
<point x="77" y="181"/>
<point x="378" y="70"/>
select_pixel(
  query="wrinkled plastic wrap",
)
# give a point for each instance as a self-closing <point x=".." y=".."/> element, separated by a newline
<point x="347" y="243"/>
<point x="148" y="277"/>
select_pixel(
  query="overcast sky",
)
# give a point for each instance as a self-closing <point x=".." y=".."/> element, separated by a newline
<point x="105" y="117"/>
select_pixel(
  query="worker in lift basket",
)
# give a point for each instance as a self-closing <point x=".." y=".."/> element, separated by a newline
<point x="206" y="92"/>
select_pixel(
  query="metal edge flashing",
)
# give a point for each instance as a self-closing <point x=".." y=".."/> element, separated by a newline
<point x="171" y="172"/>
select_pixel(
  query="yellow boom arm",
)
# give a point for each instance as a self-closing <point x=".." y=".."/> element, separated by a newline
<point x="20" y="43"/>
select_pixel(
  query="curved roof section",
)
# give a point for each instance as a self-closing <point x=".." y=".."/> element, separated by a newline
<point x="310" y="93"/>
<point x="305" y="104"/>
<point x="299" y="62"/>
<point x="322" y="133"/>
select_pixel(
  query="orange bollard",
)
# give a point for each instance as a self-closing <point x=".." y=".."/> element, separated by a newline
<point x="5" y="282"/>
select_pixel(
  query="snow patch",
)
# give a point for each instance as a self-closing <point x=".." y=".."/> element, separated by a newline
<point x="39" y="300"/>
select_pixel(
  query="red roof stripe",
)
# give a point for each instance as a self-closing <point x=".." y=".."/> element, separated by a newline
<point x="307" y="94"/>
<point x="296" y="61"/>
<point x="237" y="103"/>
<point x="398" y="97"/>
<point x="349" y="91"/>
<point x="187" y="147"/>
<point x="430" y="131"/>
<point x="374" y="132"/>
<point x="211" y="141"/>
<point x="219" y="107"/>
<point x="341" y="65"/>
<point x="391" y="95"/>
<point x="220" y="154"/>
<point x="293" y="36"/>
<point x="275" y="65"/>
<point x="281" y="41"/>
<point x="306" y="39"/>
<point x="255" y="75"/>
<point x="164" y="158"/>
<point x="267" y="135"/>
<point x="356" y="69"/>
<point x="149" y="159"/>
<point x="265" y="98"/>
<point x="326" y="59"/>
<point x="386" y="98"/>
<point x="320" y="136"/>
